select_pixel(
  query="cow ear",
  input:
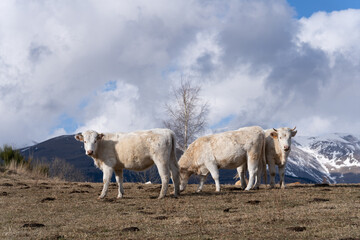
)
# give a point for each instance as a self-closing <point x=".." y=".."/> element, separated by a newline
<point x="293" y="133"/>
<point x="79" y="137"/>
<point x="100" y="136"/>
<point x="274" y="135"/>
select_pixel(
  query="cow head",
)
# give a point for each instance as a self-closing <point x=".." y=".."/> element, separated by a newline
<point x="284" y="135"/>
<point x="184" y="178"/>
<point x="90" y="139"/>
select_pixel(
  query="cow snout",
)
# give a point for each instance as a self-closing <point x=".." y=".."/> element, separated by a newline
<point x="286" y="148"/>
<point x="89" y="152"/>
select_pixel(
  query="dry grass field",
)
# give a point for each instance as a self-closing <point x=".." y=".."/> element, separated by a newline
<point x="49" y="209"/>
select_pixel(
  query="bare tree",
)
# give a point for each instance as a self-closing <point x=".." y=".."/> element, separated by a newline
<point x="187" y="113"/>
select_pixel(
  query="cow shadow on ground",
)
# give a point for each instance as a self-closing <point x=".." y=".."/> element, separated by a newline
<point x="213" y="193"/>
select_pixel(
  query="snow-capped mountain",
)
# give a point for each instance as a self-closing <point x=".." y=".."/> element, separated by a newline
<point x="333" y="157"/>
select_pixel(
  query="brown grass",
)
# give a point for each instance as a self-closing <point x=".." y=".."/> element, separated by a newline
<point x="28" y="169"/>
<point x="49" y="209"/>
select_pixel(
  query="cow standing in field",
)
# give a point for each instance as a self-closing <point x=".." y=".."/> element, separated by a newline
<point x="223" y="150"/>
<point x="134" y="151"/>
<point x="277" y="149"/>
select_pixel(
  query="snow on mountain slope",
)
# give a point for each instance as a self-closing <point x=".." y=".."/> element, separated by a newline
<point x="335" y="156"/>
<point x="305" y="165"/>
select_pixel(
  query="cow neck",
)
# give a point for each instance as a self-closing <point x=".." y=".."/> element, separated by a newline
<point x="96" y="158"/>
<point x="283" y="158"/>
<point x="97" y="162"/>
<point x="280" y="152"/>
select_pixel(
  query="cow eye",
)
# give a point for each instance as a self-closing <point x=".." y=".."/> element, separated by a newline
<point x="84" y="141"/>
<point x="95" y="141"/>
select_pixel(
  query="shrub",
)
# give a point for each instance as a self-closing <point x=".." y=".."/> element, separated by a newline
<point x="8" y="155"/>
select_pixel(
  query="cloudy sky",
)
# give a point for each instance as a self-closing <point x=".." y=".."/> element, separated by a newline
<point x="71" y="65"/>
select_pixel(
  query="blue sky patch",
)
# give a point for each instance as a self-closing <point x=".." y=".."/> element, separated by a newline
<point x="83" y="103"/>
<point x="110" y="86"/>
<point x="168" y="70"/>
<point x="305" y="8"/>
<point x="223" y="122"/>
<point x="66" y="122"/>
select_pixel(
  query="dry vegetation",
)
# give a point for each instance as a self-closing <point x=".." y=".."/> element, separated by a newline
<point x="49" y="209"/>
<point x="12" y="161"/>
<point x="26" y="169"/>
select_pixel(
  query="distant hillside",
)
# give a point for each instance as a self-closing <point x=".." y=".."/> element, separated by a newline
<point x="335" y="157"/>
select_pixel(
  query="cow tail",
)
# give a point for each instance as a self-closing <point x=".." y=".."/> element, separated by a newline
<point x="264" y="162"/>
<point x="173" y="148"/>
<point x="174" y="166"/>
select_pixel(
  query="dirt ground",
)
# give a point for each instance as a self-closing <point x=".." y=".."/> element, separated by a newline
<point x="49" y="209"/>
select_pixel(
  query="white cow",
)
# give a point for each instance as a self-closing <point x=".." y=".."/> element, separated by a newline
<point x="135" y="151"/>
<point x="277" y="149"/>
<point x="223" y="150"/>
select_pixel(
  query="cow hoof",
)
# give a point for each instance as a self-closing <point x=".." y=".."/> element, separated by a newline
<point x="176" y="194"/>
<point x="199" y="190"/>
<point x="119" y="196"/>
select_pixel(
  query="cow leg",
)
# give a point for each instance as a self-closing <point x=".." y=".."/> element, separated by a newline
<point x="258" y="179"/>
<point x="253" y="171"/>
<point x="119" y="181"/>
<point x="241" y="172"/>
<point x="164" y="173"/>
<point x="201" y="184"/>
<point x="107" y="173"/>
<point x="282" y="176"/>
<point x="214" y="171"/>
<point x="175" y="176"/>
<point x="272" y="175"/>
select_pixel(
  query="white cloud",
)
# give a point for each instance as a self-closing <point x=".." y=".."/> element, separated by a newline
<point x="58" y="132"/>
<point x="201" y="55"/>
<point x="315" y="125"/>
<point x="114" y="109"/>
<point x="235" y="93"/>
<point x="334" y="33"/>
<point x="256" y="62"/>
